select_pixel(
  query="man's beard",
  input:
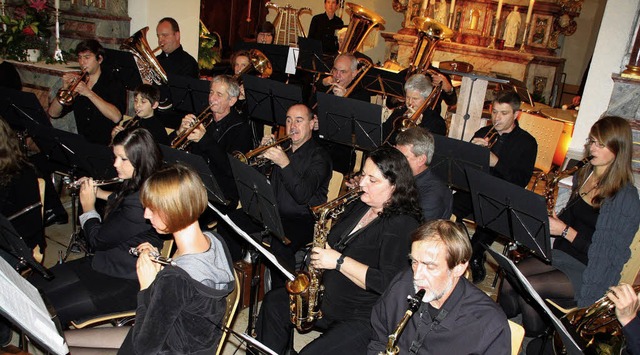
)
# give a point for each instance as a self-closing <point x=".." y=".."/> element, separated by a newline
<point x="430" y="295"/>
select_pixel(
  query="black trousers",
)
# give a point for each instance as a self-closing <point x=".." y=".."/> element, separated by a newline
<point x="339" y="337"/>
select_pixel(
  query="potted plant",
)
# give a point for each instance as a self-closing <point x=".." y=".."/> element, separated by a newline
<point x="27" y="28"/>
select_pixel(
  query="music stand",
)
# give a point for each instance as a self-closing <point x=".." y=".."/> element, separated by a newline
<point x="13" y="244"/>
<point x="520" y="283"/>
<point x="268" y="100"/>
<point x="452" y="156"/>
<point x="276" y="53"/>
<point x="350" y="122"/>
<point x="310" y="58"/>
<point x="197" y="163"/>
<point x="189" y="94"/>
<point x="259" y="202"/>
<point x="22" y="109"/>
<point x="123" y="66"/>
<point x="385" y="82"/>
<point x="510" y="210"/>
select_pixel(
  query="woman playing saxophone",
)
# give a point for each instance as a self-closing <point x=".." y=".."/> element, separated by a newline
<point x="593" y="232"/>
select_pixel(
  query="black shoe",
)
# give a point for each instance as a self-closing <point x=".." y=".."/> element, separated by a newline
<point x="52" y="218"/>
<point x="478" y="271"/>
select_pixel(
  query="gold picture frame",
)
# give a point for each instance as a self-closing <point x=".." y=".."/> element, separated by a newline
<point x="541" y="26"/>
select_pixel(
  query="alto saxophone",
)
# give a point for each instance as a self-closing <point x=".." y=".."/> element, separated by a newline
<point x="306" y="290"/>
<point x="414" y="305"/>
<point x="551" y="183"/>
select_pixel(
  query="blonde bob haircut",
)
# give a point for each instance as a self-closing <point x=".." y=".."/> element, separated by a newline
<point x="176" y="193"/>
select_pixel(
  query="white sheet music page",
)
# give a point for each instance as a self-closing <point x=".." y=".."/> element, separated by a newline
<point x="21" y="303"/>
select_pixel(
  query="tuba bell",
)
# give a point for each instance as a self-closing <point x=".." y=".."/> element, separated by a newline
<point x="430" y="32"/>
<point x="150" y="69"/>
<point x="257" y="61"/>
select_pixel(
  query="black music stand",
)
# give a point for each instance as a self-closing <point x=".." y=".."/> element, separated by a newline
<point x="511" y="211"/>
<point x="259" y="202"/>
<point x="197" y="163"/>
<point x="385" y="82"/>
<point x="268" y="100"/>
<point x="350" y="122"/>
<point x="22" y="109"/>
<point x="189" y="94"/>
<point x="310" y="57"/>
<point x="452" y="156"/>
<point x="14" y="246"/>
<point x="520" y="283"/>
<point x="276" y="53"/>
<point x="123" y="67"/>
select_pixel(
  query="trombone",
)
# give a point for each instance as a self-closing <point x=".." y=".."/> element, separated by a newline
<point x="181" y="141"/>
<point x="252" y="158"/>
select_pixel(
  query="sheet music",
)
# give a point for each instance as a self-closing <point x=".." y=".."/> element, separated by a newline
<point x="257" y="245"/>
<point x="292" y="60"/>
<point x="21" y="303"/>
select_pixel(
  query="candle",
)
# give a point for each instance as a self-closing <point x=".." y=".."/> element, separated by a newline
<point x="453" y="7"/>
<point x="57" y="4"/>
<point x="498" y="13"/>
<point x="529" y="11"/>
<point x="424" y="6"/>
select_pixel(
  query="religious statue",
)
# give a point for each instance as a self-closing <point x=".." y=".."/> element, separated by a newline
<point x="441" y="12"/>
<point x="512" y="27"/>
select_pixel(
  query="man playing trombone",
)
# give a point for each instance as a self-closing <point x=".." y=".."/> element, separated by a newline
<point x="97" y="103"/>
<point x="344" y="72"/>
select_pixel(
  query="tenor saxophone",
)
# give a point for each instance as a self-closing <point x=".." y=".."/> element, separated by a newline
<point x="306" y="290"/>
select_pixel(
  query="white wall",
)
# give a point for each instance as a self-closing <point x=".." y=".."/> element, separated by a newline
<point x="381" y="7"/>
<point x="610" y="55"/>
<point x="149" y="12"/>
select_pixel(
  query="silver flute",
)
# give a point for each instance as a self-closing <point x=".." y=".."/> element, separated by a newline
<point x="155" y="257"/>
<point x="76" y="184"/>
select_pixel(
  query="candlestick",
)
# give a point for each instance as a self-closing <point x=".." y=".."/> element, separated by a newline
<point x="492" y="44"/>
<point x="524" y="37"/>
<point x="57" y="55"/>
<point x="57" y="4"/>
<point x="529" y="11"/>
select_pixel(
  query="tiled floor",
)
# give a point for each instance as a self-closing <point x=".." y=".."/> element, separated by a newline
<point x="59" y="236"/>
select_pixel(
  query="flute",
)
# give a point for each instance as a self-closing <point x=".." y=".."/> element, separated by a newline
<point x="76" y="184"/>
<point x="155" y="257"/>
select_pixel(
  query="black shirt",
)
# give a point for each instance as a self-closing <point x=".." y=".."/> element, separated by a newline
<point x="179" y="62"/>
<point x="431" y="120"/>
<point x="581" y="217"/>
<point x="153" y="125"/>
<point x="323" y="29"/>
<point x="516" y="153"/>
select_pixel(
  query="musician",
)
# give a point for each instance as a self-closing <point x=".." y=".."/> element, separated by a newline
<point x="366" y="248"/>
<point x="344" y="71"/>
<point x="181" y="306"/>
<point x="266" y="33"/>
<point x="626" y="301"/>
<point x="146" y="100"/>
<point x="436" y="199"/>
<point x="323" y="27"/>
<point x="454" y="317"/>
<point x="228" y="132"/>
<point x="512" y="157"/>
<point x="593" y="232"/>
<point x="416" y="90"/>
<point x="106" y="281"/>
<point x="100" y="100"/>
<point x="174" y="59"/>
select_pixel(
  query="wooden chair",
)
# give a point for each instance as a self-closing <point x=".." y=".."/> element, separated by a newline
<point x="233" y="299"/>
<point x="335" y="185"/>
<point x="517" y="335"/>
<point x="547" y="133"/>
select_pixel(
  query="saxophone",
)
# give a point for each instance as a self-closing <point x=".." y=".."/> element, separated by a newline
<point x="306" y="290"/>
<point x="414" y="305"/>
<point x="551" y="183"/>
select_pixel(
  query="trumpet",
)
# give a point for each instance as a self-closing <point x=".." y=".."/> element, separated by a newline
<point x="491" y="136"/>
<point x="74" y="185"/>
<point x="155" y="257"/>
<point x="66" y="96"/>
<point x="252" y="158"/>
<point x="182" y="141"/>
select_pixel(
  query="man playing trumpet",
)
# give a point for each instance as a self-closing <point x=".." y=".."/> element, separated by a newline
<point x="98" y="103"/>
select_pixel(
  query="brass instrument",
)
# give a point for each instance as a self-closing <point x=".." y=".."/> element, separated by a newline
<point x="597" y="326"/>
<point x="430" y="33"/>
<point x="66" y="96"/>
<point x="414" y="305"/>
<point x="74" y="185"/>
<point x="306" y="290"/>
<point x="132" y="123"/>
<point x="181" y="141"/>
<point x="259" y="62"/>
<point x="150" y="69"/>
<point x="491" y="137"/>
<point x="287" y="24"/>
<point x="253" y="158"/>
<point x="155" y="257"/>
<point x="551" y="183"/>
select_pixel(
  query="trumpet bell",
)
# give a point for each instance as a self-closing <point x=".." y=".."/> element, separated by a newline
<point x="362" y="22"/>
<point x="261" y="63"/>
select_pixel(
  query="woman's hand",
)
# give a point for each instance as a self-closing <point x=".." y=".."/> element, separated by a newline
<point x="146" y="269"/>
<point x="87" y="194"/>
<point x="146" y="246"/>
<point x="626" y="301"/>
<point x="556" y="227"/>
<point x="324" y="258"/>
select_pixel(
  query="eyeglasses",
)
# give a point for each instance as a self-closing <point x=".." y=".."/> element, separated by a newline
<point x="592" y="140"/>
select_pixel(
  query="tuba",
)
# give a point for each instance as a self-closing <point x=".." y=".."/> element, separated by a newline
<point x="150" y="69"/>
<point x="306" y="290"/>
<point x="597" y="326"/>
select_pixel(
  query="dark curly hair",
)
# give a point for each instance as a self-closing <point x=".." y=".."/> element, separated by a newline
<point x="395" y="168"/>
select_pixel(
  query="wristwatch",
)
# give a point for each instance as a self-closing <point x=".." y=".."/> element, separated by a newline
<point x="565" y="232"/>
<point x="339" y="262"/>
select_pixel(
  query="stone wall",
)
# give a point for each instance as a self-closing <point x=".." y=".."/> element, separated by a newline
<point x="625" y="102"/>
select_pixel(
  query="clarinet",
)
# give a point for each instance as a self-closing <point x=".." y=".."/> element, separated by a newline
<point x="414" y="304"/>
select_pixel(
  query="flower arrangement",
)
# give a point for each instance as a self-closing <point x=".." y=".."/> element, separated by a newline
<point x="209" y="53"/>
<point x="27" y="27"/>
